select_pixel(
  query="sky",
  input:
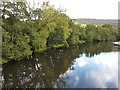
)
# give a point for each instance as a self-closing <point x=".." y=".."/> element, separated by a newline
<point x="94" y="9"/>
<point x="99" y="71"/>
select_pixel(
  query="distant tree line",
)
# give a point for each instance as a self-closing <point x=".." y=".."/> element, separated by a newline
<point x="26" y="30"/>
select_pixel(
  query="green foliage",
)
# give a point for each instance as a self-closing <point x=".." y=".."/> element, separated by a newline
<point x="100" y="33"/>
<point x="20" y="48"/>
<point x="75" y="33"/>
<point x="61" y="31"/>
<point x="26" y="30"/>
<point x="4" y="61"/>
<point x="57" y="46"/>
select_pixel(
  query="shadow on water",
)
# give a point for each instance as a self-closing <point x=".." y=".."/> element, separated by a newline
<point x="45" y="69"/>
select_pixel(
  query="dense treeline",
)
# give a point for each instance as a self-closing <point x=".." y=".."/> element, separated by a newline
<point x="26" y="30"/>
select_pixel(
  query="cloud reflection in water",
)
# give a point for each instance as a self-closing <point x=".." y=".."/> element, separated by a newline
<point x="100" y="71"/>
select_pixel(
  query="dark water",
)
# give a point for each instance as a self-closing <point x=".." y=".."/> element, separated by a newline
<point x="91" y="65"/>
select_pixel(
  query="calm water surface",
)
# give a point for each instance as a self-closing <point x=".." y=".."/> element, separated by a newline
<point x="91" y="65"/>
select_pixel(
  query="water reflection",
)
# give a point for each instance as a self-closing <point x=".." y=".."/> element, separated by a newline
<point x="98" y="71"/>
<point x="92" y="65"/>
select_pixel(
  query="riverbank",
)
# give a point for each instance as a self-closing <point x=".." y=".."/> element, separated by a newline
<point x="42" y="50"/>
<point x="53" y="47"/>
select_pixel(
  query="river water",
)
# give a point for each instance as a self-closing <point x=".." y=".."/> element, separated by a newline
<point x="91" y="65"/>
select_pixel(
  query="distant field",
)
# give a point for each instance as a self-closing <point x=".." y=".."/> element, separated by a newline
<point x="113" y="22"/>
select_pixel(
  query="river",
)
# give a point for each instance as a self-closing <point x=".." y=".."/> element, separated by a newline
<point x="91" y="65"/>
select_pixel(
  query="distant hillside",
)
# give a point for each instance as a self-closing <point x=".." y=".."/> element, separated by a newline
<point x="113" y="22"/>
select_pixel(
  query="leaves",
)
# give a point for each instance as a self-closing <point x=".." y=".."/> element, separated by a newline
<point x="27" y="30"/>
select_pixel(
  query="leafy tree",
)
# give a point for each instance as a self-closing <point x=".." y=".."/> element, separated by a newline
<point x="26" y="30"/>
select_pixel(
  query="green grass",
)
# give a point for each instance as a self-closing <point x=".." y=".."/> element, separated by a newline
<point x="3" y="61"/>
<point x="81" y="41"/>
<point x="57" y="46"/>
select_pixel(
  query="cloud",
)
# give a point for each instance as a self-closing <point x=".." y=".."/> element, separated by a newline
<point x="100" y="71"/>
<point x="81" y="62"/>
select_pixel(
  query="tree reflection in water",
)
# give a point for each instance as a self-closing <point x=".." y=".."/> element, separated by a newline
<point x="45" y="69"/>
